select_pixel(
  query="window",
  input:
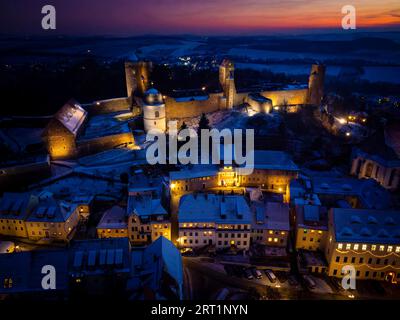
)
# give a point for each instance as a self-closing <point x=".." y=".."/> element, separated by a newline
<point x="345" y="259"/>
<point x="390" y="249"/>
<point x="366" y="273"/>
<point x="397" y="249"/>
<point x="378" y="261"/>
<point x="340" y="246"/>
<point x="381" y="248"/>
<point x="353" y="259"/>
<point x="364" y="247"/>
<point x="157" y="114"/>
<point x="337" y="259"/>
<point x="8" y="283"/>
<point x="335" y="272"/>
<point x="356" y="246"/>
<point x="361" y="260"/>
<point x="348" y="246"/>
<point x="373" y="247"/>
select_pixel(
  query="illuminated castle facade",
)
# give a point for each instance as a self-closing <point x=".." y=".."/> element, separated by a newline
<point x="137" y="82"/>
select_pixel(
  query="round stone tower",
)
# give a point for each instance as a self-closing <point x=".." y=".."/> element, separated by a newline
<point x="316" y="84"/>
<point x="154" y="111"/>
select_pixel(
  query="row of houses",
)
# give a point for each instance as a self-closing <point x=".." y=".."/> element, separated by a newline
<point x="346" y="222"/>
<point x="40" y="216"/>
<point x="95" y="267"/>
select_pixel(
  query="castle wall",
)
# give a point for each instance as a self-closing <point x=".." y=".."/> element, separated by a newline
<point x="291" y="97"/>
<point x="189" y="109"/>
<point x="59" y="141"/>
<point x="109" y="106"/>
<point x="16" y="176"/>
<point x="99" y="144"/>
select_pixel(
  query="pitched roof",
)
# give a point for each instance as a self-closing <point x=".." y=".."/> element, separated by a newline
<point x="214" y="208"/>
<point x="144" y="205"/>
<point x="171" y="260"/>
<point x="366" y="226"/>
<point x="71" y="116"/>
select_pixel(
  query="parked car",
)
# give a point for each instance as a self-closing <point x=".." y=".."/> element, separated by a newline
<point x="309" y="282"/>
<point x="248" y="274"/>
<point x="7" y="247"/>
<point x="271" y="276"/>
<point x="256" y="273"/>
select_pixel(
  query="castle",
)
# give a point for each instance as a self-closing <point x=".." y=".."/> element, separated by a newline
<point x="77" y="130"/>
<point x="158" y="109"/>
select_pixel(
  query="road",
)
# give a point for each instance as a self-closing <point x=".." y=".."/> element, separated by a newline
<point x="203" y="280"/>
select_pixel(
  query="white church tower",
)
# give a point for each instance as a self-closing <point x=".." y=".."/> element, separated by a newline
<point x="154" y="111"/>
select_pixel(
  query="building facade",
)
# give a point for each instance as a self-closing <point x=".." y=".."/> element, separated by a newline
<point x="218" y="221"/>
<point x="368" y="240"/>
<point x="147" y="220"/>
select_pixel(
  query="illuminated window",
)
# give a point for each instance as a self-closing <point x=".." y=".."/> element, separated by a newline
<point x="275" y="239"/>
<point x="340" y="246"/>
<point x="184" y="225"/>
<point x="312" y="231"/>
<point x="283" y="233"/>
<point x="356" y="247"/>
<point x="381" y="248"/>
<point x="390" y="249"/>
<point x="364" y="247"/>
<point x="397" y="249"/>
<point x="373" y="247"/>
<point x="348" y="246"/>
<point x="270" y="232"/>
<point x="269" y="239"/>
<point x="320" y="232"/>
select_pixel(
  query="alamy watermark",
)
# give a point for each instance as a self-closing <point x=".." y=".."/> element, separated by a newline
<point x="196" y="149"/>
<point x="349" y="18"/>
<point x="49" y="19"/>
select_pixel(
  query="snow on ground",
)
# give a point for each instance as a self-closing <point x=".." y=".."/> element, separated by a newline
<point x="242" y="118"/>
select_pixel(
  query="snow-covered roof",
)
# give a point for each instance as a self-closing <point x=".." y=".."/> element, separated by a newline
<point x="15" y="205"/>
<point x="366" y="226"/>
<point x="367" y="190"/>
<point x="271" y="215"/>
<point x="197" y="171"/>
<point x="71" y="116"/>
<point x="214" y="208"/>
<point x="144" y="205"/>
<point x="171" y="262"/>
<point x="313" y="216"/>
<point x="113" y="218"/>
<point x="277" y="216"/>
<point x="272" y="160"/>
<point x="51" y="210"/>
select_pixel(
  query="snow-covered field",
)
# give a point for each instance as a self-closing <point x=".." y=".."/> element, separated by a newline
<point x="373" y="74"/>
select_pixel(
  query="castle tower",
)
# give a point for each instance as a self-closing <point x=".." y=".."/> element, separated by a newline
<point x="316" y="84"/>
<point x="154" y="111"/>
<point x="137" y="76"/>
<point x="227" y="81"/>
